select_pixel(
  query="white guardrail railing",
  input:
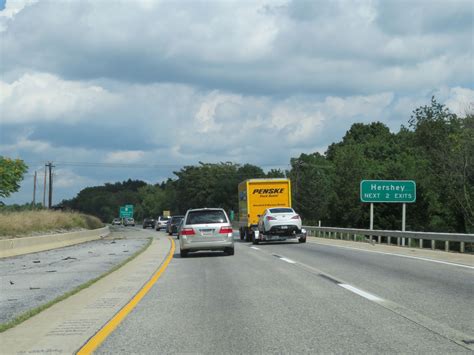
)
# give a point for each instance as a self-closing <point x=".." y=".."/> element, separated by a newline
<point x="386" y="236"/>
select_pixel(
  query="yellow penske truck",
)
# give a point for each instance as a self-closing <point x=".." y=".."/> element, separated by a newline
<point x="257" y="196"/>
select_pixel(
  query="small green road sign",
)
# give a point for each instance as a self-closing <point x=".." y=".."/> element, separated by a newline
<point x="388" y="191"/>
<point x="126" y="211"/>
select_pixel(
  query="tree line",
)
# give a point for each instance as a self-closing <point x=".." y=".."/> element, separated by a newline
<point x="435" y="149"/>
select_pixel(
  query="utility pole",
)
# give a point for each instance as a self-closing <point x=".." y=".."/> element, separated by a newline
<point x="50" y="195"/>
<point x="44" y="187"/>
<point x="34" y="190"/>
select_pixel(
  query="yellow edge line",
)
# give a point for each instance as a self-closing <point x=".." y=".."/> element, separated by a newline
<point x="108" y="328"/>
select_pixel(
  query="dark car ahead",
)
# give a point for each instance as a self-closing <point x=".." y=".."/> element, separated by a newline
<point x="173" y="224"/>
<point x="149" y="222"/>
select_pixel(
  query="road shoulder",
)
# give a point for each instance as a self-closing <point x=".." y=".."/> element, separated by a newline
<point x="432" y="255"/>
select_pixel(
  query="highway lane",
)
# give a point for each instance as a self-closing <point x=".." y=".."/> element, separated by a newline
<point x="256" y="302"/>
<point x="441" y="292"/>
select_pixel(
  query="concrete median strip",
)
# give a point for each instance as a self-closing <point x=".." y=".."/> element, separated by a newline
<point x="67" y="326"/>
<point x="26" y="245"/>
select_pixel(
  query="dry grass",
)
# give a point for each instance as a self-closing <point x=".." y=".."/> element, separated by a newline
<point x="26" y="223"/>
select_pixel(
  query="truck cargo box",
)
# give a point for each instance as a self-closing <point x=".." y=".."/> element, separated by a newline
<point x="256" y="195"/>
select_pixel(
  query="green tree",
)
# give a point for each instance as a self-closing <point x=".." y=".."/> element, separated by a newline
<point x="445" y="143"/>
<point x="311" y="177"/>
<point x="12" y="172"/>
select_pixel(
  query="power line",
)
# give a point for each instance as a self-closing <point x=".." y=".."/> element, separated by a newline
<point x="146" y="166"/>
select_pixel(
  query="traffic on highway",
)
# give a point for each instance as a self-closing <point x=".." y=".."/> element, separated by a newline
<point x="236" y="177"/>
<point x="259" y="284"/>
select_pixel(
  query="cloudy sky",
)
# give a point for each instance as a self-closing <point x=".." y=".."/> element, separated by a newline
<point x="110" y="90"/>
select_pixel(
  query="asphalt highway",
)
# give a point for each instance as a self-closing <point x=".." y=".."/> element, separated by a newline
<point x="301" y="298"/>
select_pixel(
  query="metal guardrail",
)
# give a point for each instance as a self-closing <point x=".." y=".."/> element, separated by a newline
<point x="380" y="236"/>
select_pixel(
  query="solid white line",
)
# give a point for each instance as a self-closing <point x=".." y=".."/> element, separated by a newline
<point x="364" y="294"/>
<point x="288" y="260"/>
<point x="255" y="248"/>
<point x="400" y="255"/>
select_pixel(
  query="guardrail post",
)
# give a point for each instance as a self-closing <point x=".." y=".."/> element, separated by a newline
<point x="446" y="245"/>
<point x="379" y="239"/>
<point x="398" y="241"/>
<point x="370" y="238"/>
<point x="421" y="243"/>
<point x="355" y="237"/>
<point x="433" y="244"/>
<point x="461" y="247"/>
<point x="409" y="242"/>
<point x="389" y="240"/>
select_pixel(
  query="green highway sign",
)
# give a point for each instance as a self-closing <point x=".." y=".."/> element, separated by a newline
<point x="126" y="211"/>
<point x="388" y="191"/>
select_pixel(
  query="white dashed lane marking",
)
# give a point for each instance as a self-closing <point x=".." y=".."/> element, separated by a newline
<point x="288" y="260"/>
<point x="364" y="294"/>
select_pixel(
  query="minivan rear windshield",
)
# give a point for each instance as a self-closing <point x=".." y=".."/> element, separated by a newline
<point x="281" y="210"/>
<point x="206" y="217"/>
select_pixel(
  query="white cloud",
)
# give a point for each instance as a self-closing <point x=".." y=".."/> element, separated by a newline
<point x="205" y="117"/>
<point x="460" y="101"/>
<point x="66" y="178"/>
<point x="45" y="97"/>
<point x="259" y="81"/>
<point x="11" y="9"/>
<point x="125" y="156"/>
<point x="246" y="47"/>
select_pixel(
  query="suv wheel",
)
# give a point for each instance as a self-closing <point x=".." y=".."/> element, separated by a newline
<point x="302" y="240"/>
<point x="183" y="253"/>
<point x="229" y="251"/>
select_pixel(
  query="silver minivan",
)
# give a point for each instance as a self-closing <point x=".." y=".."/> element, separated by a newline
<point x="206" y="229"/>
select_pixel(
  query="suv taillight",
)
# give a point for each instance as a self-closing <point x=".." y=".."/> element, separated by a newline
<point x="225" y="230"/>
<point x="187" y="231"/>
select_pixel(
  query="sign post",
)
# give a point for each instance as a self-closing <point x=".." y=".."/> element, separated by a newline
<point x="388" y="191"/>
<point x="404" y="213"/>
<point x="371" y="216"/>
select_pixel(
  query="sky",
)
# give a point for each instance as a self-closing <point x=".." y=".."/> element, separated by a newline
<point x="110" y="90"/>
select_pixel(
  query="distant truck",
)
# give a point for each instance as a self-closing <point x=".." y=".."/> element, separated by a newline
<point x="255" y="196"/>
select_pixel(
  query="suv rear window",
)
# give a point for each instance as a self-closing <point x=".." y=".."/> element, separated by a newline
<point x="206" y="217"/>
<point x="281" y="210"/>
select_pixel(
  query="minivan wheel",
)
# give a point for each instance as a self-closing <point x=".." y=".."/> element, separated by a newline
<point x="229" y="251"/>
<point x="183" y="253"/>
<point x="302" y="240"/>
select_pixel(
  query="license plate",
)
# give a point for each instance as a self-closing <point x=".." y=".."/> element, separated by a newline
<point x="206" y="232"/>
<point x="284" y="227"/>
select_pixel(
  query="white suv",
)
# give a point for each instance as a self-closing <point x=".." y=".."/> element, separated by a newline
<point x="206" y="229"/>
<point x="161" y="222"/>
